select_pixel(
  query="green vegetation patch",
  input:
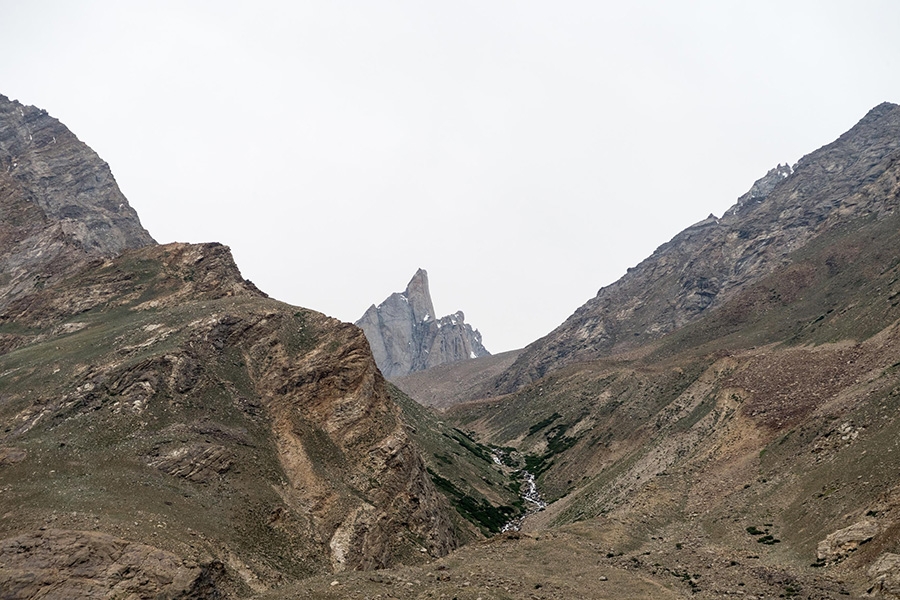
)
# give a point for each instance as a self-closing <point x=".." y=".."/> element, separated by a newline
<point x="462" y="469"/>
<point x="752" y="530"/>
<point x="471" y="445"/>
<point x="544" y="423"/>
<point x="700" y="411"/>
<point x="480" y="512"/>
<point x="299" y="336"/>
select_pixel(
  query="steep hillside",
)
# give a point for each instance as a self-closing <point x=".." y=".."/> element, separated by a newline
<point x="483" y="493"/>
<point x="171" y="432"/>
<point x="59" y="203"/>
<point x="159" y="398"/>
<point x="708" y="263"/>
<point x="753" y="446"/>
<point x="405" y="335"/>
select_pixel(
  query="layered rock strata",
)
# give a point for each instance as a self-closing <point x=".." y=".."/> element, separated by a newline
<point x="171" y="432"/>
<point x="161" y="399"/>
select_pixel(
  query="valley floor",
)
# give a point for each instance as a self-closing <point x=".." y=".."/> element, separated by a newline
<point x="582" y="561"/>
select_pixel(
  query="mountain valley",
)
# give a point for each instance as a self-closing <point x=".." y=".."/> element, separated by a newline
<point x="719" y="422"/>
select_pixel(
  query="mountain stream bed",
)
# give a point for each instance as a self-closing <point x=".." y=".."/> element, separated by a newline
<point x="529" y="491"/>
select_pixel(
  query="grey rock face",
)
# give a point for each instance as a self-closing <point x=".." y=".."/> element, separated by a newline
<point x="841" y="543"/>
<point x="59" y="203"/>
<point x="707" y="263"/>
<point x="760" y="190"/>
<point x="405" y="336"/>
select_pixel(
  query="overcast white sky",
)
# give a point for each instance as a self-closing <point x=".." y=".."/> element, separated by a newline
<point x="524" y="153"/>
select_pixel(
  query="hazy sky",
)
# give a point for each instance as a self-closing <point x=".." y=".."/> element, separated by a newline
<point x="524" y="153"/>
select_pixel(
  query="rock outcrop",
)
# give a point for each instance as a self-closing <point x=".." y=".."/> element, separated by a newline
<point x="405" y="336"/>
<point x="84" y="564"/>
<point x="885" y="576"/>
<point x="59" y="202"/>
<point x="839" y="544"/>
<point x="707" y="263"/>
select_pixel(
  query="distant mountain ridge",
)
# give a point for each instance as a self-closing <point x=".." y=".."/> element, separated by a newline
<point x="405" y="336"/>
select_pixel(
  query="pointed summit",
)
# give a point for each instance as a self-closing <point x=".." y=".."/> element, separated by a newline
<point x="420" y="297"/>
<point x="405" y="336"/>
<point x="60" y="205"/>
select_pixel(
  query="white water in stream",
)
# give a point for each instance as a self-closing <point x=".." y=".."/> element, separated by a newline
<point x="532" y="497"/>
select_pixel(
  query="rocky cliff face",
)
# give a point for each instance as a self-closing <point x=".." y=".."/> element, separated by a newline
<point x="405" y="336"/>
<point x="59" y="202"/>
<point x="709" y="262"/>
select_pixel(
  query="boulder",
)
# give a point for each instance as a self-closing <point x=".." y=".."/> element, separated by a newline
<point x="841" y="543"/>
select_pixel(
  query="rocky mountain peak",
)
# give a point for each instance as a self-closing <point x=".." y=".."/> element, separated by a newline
<point x="405" y="335"/>
<point x="60" y="203"/>
<point x="761" y="188"/>
<point x="419" y="296"/>
<point x="35" y="149"/>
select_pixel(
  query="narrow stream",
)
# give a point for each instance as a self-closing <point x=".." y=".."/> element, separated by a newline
<point x="530" y="494"/>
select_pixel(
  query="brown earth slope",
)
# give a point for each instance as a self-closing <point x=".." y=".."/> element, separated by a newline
<point x="158" y="405"/>
<point x="756" y="446"/>
<point x="443" y="386"/>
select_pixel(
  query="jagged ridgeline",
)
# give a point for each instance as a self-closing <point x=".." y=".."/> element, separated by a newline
<point x="170" y="431"/>
<point x="707" y="264"/>
<point x="406" y="336"/>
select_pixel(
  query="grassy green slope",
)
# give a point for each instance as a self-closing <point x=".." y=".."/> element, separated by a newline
<point x="98" y="432"/>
